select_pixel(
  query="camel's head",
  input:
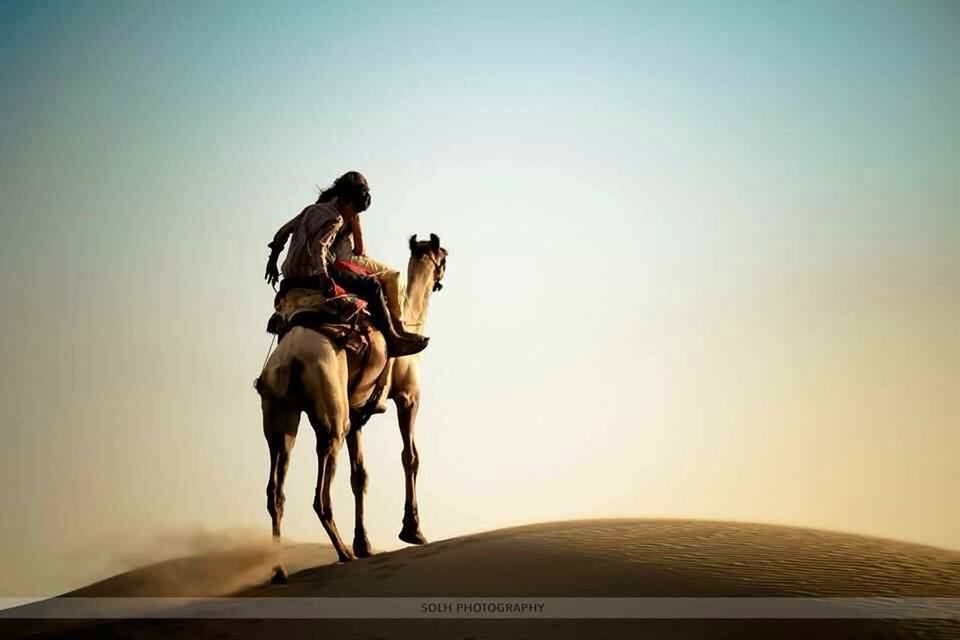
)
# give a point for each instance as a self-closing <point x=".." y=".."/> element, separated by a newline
<point x="429" y="258"/>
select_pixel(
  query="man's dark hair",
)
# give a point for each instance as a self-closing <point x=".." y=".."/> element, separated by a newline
<point x="351" y="187"/>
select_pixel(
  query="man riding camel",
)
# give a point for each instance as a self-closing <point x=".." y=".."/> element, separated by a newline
<point x="327" y="249"/>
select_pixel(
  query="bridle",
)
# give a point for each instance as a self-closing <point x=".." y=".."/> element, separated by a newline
<point x="438" y="268"/>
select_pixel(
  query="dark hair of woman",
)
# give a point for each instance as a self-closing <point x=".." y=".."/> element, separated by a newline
<point x="351" y="187"/>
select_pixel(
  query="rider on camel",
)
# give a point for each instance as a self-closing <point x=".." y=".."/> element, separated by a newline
<point x="321" y="234"/>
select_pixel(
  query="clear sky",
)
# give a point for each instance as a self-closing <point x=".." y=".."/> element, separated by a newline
<point x="703" y="262"/>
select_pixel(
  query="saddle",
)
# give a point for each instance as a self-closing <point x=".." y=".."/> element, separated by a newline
<point x="315" y="305"/>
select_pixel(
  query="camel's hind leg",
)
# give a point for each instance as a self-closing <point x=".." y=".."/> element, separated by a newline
<point x="358" y="482"/>
<point x="280" y="429"/>
<point x="328" y="445"/>
<point x="330" y="419"/>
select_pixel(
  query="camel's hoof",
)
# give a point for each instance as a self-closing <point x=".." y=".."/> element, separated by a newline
<point x="279" y="575"/>
<point x="361" y="547"/>
<point x="346" y="556"/>
<point x="412" y="535"/>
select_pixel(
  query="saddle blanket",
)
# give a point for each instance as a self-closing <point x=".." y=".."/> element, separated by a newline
<point x="341" y="317"/>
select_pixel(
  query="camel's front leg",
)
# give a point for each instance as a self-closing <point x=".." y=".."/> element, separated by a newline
<point x="358" y="482"/>
<point x="407" y="405"/>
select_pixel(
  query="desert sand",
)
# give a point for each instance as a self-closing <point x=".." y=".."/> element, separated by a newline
<point x="593" y="558"/>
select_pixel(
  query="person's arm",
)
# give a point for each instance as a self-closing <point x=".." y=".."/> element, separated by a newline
<point x="323" y="244"/>
<point x="357" y="236"/>
<point x="272" y="274"/>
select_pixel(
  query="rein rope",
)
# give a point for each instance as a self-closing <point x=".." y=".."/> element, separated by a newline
<point x="269" y="351"/>
<point x="437" y="266"/>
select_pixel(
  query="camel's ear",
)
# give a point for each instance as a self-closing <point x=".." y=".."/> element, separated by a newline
<point x="413" y="242"/>
<point x="435" y="242"/>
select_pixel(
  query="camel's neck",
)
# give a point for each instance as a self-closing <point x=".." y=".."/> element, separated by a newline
<point x="417" y="296"/>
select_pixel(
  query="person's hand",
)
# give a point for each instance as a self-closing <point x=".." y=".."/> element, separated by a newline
<point x="272" y="274"/>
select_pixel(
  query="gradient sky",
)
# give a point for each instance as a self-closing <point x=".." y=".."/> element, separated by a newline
<point x="703" y="262"/>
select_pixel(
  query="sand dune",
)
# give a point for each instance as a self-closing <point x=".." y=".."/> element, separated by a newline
<point x="595" y="558"/>
<point x="644" y="558"/>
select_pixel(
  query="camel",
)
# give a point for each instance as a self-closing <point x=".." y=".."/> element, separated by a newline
<point x="308" y="373"/>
